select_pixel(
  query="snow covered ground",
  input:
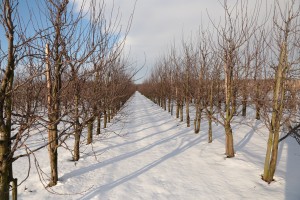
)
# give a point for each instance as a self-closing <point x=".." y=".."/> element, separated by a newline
<point x="148" y="154"/>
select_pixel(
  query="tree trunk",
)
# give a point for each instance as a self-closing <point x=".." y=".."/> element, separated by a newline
<point x="53" y="115"/>
<point x="76" y="155"/>
<point x="257" y="113"/>
<point x="196" y="118"/>
<point x="197" y="122"/>
<point x="52" y="149"/>
<point x="14" y="189"/>
<point x="210" y="113"/>
<point x="177" y="109"/>
<point x="181" y="111"/>
<point x="234" y="99"/>
<point x="209" y="130"/>
<point x="278" y="98"/>
<point x="244" y="108"/>
<point x="98" y="124"/>
<point x="77" y="131"/>
<point x="274" y="155"/>
<point x="169" y="104"/>
<point x="229" y="100"/>
<point x="229" y="141"/>
<point x="90" y="126"/>
<point x="257" y="102"/>
<point x="177" y="104"/>
<point x="187" y="110"/>
<point x="108" y="115"/>
<point x="77" y="135"/>
<point x="105" y="119"/>
<point x="187" y="97"/>
<point x="172" y="107"/>
<point x="7" y="79"/>
<point x="4" y="167"/>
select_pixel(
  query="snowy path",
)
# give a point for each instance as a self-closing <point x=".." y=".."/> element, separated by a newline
<point x="153" y="160"/>
<point x="157" y="157"/>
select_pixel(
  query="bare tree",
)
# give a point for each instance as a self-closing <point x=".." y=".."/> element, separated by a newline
<point x="286" y="29"/>
<point x="7" y="78"/>
<point x="61" y="29"/>
<point x="237" y="30"/>
<point x="13" y="123"/>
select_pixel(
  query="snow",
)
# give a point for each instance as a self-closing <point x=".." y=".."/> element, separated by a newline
<point x="148" y="154"/>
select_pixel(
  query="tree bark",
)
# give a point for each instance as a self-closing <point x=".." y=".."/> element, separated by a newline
<point x="98" y="125"/>
<point x="257" y="102"/>
<point x="209" y="130"/>
<point x="53" y="115"/>
<point x="169" y="103"/>
<point x="229" y="104"/>
<point x="77" y="132"/>
<point x="90" y="126"/>
<point x="76" y="155"/>
<point x="210" y="112"/>
<point x="4" y="167"/>
<point x="181" y="111"/>
<point x="6" y="105"/>
<point x="77" y="127"/>
<point x="197" y="122"/>
<point x="105" y="119"/>
<point x="277" y="107"/>
<point x="52" y="149"/>
<point x="244" y="105"/>
<point x="14" y="189"/>
<point x="229" y="141"/>
<point x="187" y="110"/>
<point x="177" y="104"/>
<point x="108" y="115"/>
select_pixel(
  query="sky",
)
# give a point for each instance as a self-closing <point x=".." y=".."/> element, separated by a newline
<point x="159" y="24"/>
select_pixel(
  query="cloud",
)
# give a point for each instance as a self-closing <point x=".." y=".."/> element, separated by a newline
<point x="158" y="23"/>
